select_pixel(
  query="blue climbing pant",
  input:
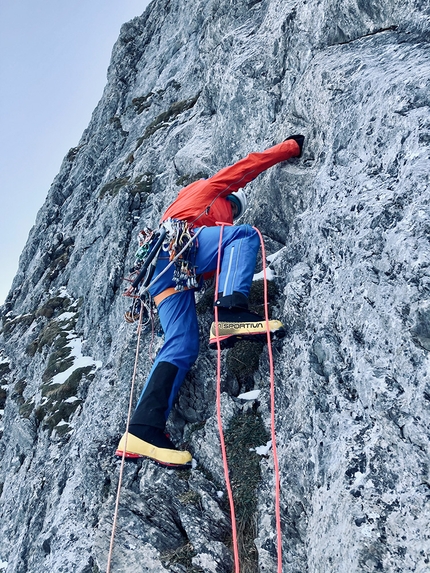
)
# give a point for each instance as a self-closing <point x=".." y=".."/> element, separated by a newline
<point x="178" y="317"/>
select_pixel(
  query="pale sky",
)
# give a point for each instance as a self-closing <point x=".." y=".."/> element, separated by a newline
<point x="54" y="57"/>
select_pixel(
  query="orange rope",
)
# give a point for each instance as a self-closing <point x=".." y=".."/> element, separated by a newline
<point x="272" y="413"/>
<point x="218" y="404"/>
<point x="121" y="471"/>
<point x="272" y="408"/>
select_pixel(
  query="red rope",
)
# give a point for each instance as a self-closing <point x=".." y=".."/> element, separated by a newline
<point x="272" y="415"/>
<point x="272" y="412"/>
<point x="218" y="404"/>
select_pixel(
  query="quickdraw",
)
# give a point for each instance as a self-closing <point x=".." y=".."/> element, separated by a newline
<point x="150" y="243"/>
<point x="179" y="235"/>
<point x="144" y="238"/>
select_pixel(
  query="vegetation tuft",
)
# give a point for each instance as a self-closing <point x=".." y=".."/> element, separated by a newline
<point x="187" y="179"/>
<point x="142" y="103"/>
<point x="59" y="361"/>
<point x="243" y="360"/>
<point x="18" y="391"/>
<point x="59" y="400"/>
<point x="54" y="332"/>
<point x="4" y="369"/>
<point x="190" y="497"/>
<point x="55" y="305"/>
<point x="9" y="324"/>
<point x="246" y="432"/>
<point x="164" y="118"/>
<point x="3" y="396"/>
<point x="256" y="295"/>
<point x="26" y="408"/>
<point x="57" y="407"/>
<point x="143" y="183"/>
<point x="181" y="556"/>
<point x="113" y="187"/>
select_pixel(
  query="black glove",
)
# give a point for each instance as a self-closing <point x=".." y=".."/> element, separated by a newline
<point x="299" y="139"/>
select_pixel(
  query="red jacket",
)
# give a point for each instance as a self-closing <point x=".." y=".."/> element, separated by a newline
<point x="204" y="202"/>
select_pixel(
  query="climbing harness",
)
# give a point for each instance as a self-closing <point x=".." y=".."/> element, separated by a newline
<point x="272" y="419"/>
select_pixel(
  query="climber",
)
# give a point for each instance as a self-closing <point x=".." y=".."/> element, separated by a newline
<point x="203" y="203"/>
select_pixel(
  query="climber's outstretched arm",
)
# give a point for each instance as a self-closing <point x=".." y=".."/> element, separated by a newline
<point x="235" y="176"/>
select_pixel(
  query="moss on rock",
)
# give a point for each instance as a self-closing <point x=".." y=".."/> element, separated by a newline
<point x="59" y="404"/>
<point x="4" y="369"/>
<point x="256" y="295"/>
<point x="60" y="413"/>
<point x="245" y="433"/>
<point x="181" y="556"/>
<point x="9" y="324"/>
<point x="58" y="361"/>
<point x="55" y="305"/>
<point x="26" y="409"/>
<point x="169" y="115"/>
<point x="113" y="187"/>
<point x="187" y="179"/>
<point x="141" y="103"/>
<point x="3" y="396"/>
<point x="243" y="360"/>
<point x="143" y="183"/>
<point x="190" y="497"/>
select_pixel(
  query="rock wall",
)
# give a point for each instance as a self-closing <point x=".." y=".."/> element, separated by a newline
<point x="192" y="87"/>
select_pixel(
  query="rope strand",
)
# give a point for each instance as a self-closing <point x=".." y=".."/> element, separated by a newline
<point x="218" y="403"/>
<point x="121" y="471"/>
<point x="272" y="412"/>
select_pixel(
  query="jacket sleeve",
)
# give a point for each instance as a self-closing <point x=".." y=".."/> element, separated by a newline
<point x="235" y="176"/>
<point x="199" y="197"/>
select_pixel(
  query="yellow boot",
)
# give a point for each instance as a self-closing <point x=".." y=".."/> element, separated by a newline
<point x="137" y="448"/>
<point x="237" y="322"/>
<point x="230" y="332"/>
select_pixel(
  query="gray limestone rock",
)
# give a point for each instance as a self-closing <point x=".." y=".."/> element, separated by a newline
<point x="192" y="87"/>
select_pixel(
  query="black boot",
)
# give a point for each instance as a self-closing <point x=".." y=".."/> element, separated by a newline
<point x="236" y="322"/>
<point x="234" y="308"/>
<point x="152" y="406"/>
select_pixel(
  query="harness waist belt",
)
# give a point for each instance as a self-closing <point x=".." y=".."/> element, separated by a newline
<point x="166" y="293"/>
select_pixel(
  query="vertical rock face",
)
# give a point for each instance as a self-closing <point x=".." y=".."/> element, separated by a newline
<point x="192" y="87"/>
